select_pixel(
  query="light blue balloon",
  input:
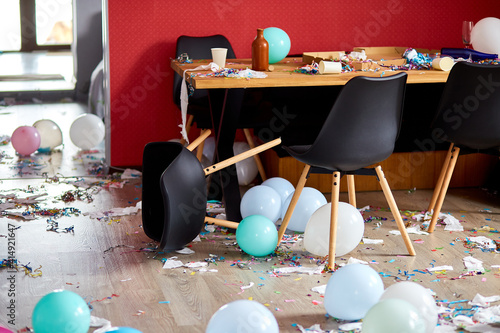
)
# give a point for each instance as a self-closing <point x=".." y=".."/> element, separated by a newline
<point x="279" y="44"/>
<point x="309" y="201"/>
<point x="352" y="290"/>
<point x="124" y="330"/>
<point x="242" y="316"/>
<point x="257" y="235"/>
<point x="261" y="200"/>
<point x="280" y="185"/>
<point x="61" y="311"/>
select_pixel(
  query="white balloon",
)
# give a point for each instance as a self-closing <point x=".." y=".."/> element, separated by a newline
<point x="280" y="185"/>
<point x="309" y="201"/>
<point x="243" y="316"/>
<point x="261" y="200"/>
<point x="485" y="35"/>
<point x="209" y="148"/>
<point x="350" y="229"/>
<point x="417" y="295"/>
<point x="247" y="169"/>
<point x="50" y="134"/>
<point x="87" y="131"/>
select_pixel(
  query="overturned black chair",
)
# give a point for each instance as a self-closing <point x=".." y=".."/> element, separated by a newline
<point x="468" y="117"/>
<point x="359" y="132"/>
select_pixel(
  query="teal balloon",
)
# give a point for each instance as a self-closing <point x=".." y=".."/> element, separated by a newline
<point x="242" y="316"/>
<point x="351" y="291"/>
<point x="124" y="330"/>
<point x="61" y="311"/>
<point x="393" y="315"/>
<point x="279" y="44"/>
<point x="257" y="235"/>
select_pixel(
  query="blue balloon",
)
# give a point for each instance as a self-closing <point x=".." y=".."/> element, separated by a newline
<point x="257" y="235"/>
<point x="280" y="185"/>
<point x="309" y="201"/>
<point x="242" y="316"/>
<point x="61" y="311"/>
<point x="279" y="44"/>
<point x="261" y="200"/>
<point x="124" y="330"/>
<point x="352" y="290"/>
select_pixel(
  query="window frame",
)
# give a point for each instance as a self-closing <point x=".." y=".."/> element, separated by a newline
<point x="28" y="30"/>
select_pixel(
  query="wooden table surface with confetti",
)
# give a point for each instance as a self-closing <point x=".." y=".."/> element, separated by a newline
<point x="290" y="72"/>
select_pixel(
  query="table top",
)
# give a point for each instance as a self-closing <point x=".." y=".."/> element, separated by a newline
<point x="283" y="75"/>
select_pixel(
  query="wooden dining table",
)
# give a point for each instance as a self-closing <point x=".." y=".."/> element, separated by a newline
<point x="226" y="96"/>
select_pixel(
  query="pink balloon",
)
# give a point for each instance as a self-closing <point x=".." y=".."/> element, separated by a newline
<point x="5" y="330"/>
<point x="25" y="140"/>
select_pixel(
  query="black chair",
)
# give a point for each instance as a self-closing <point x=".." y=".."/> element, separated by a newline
<point x="468" y="117"/>
<point x="199" y="47"/>
<point x="360" y="131"/>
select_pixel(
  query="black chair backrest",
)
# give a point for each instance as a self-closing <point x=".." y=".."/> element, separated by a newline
<point x="363" y="125"/>
<point x="198" y="48"/>
<point x="469" y="112"/>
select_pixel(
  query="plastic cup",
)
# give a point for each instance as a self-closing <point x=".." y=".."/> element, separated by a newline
<point x="330" y="67"/>
<point x="219" y="56"/>
<point x="443" y="64"/>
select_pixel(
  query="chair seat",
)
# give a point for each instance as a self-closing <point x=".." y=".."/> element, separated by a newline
<point x="335" y="160"/>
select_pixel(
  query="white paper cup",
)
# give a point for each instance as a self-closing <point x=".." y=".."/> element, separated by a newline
<point x="443" y="64"/>
<point x="330" y="67"/>
<point x="219" y="56"/>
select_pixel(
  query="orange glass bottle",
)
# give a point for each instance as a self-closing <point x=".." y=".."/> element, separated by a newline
<point x="260" y="52"/>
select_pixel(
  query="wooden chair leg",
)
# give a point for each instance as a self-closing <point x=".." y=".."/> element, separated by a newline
<point x="334" y="218"/>
<point x="257" y="159"/>
<point x="439" y="183"/>
<point x="351" y="190"/>
<point x="199" y="140"/>
<point x="189" y="123"/>
<point x="199" y="151"/>
<point x="395" y="210"/>
<point x="293" y="202"/>
<point x="444" y="188"/>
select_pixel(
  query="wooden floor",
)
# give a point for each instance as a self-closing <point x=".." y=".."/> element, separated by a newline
<point x="118" y="270"/>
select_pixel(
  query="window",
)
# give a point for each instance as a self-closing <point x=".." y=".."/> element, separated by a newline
<point x="28" y="25"/>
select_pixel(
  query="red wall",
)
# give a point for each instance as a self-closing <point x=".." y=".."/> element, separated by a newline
<point x="142" y="36"/>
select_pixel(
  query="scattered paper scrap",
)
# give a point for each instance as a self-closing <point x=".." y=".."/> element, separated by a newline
<point x="452" y="224"/>
<point x="351" y="327"/>
<point x="185" y="250"/>
<point x="301" y="269"/>
<point x="196" y="264"/>
<point x="411" y="230"/>
<point x="440" y="268"/>
<point x="131" y="174"/>
<point x="372" y="241"/>
<point x="104" y="324"/>
<point x="480" y="300"/>
<point x="483" y="242"/>
<point x="169" y="264"/>
<point x="473" y="265"/>
<point x="116" y="211"/>
<point x="352" y="260"/>
<point x="319" y="289"/>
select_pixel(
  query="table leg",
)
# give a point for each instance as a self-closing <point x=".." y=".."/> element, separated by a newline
<point x="225" y="106"/>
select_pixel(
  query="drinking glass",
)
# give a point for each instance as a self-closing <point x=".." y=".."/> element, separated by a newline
<point x="466" y="33"/>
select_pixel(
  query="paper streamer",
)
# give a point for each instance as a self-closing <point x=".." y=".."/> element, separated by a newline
<point x="185" y="97"/>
